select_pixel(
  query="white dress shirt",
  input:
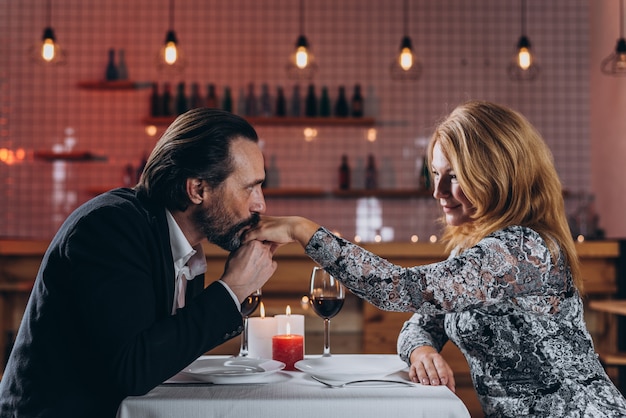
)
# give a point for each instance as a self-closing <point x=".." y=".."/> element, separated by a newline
<point x="188" y="263"/>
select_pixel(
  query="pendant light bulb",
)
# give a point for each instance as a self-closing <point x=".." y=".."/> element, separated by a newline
<point x="615" y="63"/>
<point x="406" y="59"/>
<point x="523" y="66"/>
<point x="406" y="65"/>
<point x="301" y="56"/>
<point x="48" y="51"/>
<point x="48" y="46"/>
<point x="301" y="65"/>
<point x="170" y="51"/>
<point x="170" y="56"/>
<point x="524" y="59"/>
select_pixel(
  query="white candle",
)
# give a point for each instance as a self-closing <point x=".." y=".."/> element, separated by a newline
<point x="260" y="332"/>
<point x="290" y="324"/>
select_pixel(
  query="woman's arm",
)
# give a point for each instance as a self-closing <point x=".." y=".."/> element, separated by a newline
<point x="506" y="265"/>
<point x="421" y="339"/>
<point x="510" y="263"/>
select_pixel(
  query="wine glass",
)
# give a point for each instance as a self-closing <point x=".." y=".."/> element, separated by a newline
<point x="248" y="306"/>
<point x="326" y="297"/>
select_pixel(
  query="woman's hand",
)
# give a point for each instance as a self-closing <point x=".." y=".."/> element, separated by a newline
<point x="428" y="367"/>
<point x="282" y="230"/>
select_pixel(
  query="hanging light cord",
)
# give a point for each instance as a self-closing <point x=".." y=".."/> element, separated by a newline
<point x="171" y="14"/>
<point x="406" y="18"/>
<point x="49" y="13"/>
<point x="621" y="19"/>
<point x="301" y="17"/>
<point x="523" y="6"/>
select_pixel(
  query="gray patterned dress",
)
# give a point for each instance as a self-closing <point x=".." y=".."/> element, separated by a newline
<point x="515" y="315"/>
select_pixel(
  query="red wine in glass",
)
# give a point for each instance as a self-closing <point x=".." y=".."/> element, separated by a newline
<point x="327" y="307"/>
<point x="248" y="306"/>
<point x="326" y="295"/>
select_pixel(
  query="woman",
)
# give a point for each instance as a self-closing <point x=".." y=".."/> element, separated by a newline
<point x="508" y="296"/>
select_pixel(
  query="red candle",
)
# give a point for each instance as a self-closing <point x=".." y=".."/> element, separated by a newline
<point x="288" y="348"/>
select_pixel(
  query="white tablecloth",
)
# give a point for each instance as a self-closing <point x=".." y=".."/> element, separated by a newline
<point x="290" y="395"/>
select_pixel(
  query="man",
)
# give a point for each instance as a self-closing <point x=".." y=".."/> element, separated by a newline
<point x="119" y="303"/>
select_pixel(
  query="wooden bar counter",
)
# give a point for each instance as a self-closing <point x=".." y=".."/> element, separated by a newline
<point x="365" y="330"/>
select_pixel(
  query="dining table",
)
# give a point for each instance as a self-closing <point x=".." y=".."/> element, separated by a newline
<point x="296" y="393"/>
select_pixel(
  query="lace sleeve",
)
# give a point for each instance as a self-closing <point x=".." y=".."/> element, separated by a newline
<point x="510" y="263"/>
<point x="421" y="330"/>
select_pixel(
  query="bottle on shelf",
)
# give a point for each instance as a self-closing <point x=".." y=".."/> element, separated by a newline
<point x="371" y="173"/>
<point x="325" y="107"/>
<point x="357" y="102"/>
<point x="211" y="97"/>
<point x="227" y="100"/>
<point x="181" y="99"/>
<point x="295" y="106"/>
<point x="266" y="101"/>
<point x="281" y="102"/>
<point x="156" y="107"/>
<point x="195" y="99"/>
<point x="310" y="103"/>
<point x="166" y="100"/>
<point x="122" y="70"/>
<point x="251" y="101"/>
<point x="341" y="107"/>
<point x="111" y="70"/>
<point x="344" y="173"/>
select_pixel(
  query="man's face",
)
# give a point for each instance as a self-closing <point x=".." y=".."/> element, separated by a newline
<point x="234" y="206"/>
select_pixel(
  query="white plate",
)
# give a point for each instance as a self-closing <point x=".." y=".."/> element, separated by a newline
<point x="232" y="370"/>
<point x="340" y="367"/>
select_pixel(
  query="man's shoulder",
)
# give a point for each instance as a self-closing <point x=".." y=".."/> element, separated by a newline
<point x="120" y="199"/>
<point x="120" y="205"/>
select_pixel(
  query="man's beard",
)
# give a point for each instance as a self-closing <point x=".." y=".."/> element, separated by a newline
<point x="220" y="228"/>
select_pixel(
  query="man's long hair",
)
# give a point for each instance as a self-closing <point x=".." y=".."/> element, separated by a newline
<point x="195" y="145"/>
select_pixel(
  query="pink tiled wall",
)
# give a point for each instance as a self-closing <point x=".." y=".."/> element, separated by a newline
<point x="465" y="47"/>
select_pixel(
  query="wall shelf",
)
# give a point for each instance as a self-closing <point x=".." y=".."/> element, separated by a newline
<point x="77" y="156"/>
<point x="313" y="193"/>
<point x="346" y="194"/>
<point x="114" y="85"/>
<point x="294" y="192"/>
<point x="383" y="193"/>
<point x="283" y="121"/>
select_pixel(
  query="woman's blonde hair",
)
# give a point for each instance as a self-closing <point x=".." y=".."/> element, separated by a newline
<point x="506" y="171"/>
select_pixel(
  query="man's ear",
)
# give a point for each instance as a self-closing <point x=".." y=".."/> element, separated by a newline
<point x="196" y="189"/>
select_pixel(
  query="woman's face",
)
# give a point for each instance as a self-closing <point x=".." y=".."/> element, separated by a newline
<point x="455" y="205"/>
